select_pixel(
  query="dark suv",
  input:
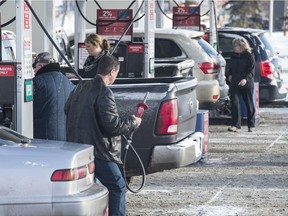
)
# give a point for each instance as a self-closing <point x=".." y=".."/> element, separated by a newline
<point x="267" y="70"/>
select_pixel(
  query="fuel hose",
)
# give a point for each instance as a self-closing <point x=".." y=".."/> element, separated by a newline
<point x="127" y="147"/>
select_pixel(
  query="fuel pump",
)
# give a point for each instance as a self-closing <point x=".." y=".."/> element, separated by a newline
<point x="8" y="99"/>
<point x="8" y="96"/>
<point x="141" y="107"/>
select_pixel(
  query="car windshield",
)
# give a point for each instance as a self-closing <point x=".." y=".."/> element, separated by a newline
<point x="9" y="135"/>
<point x="267" y="44"/>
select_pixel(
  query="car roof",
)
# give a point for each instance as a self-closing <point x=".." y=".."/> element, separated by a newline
<point x="186" y="32"/>
<point x="241" y="30"/>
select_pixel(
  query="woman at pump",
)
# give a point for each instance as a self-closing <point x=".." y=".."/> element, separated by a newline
<point x="96" y="48"/>
<point x="240" y="74"/>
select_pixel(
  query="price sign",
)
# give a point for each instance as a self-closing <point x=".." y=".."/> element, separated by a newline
<point x="186" y="17"/>
<point x="112" y="23"/>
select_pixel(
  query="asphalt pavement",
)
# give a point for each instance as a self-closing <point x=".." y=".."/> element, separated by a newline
<point x="245" y="175"/>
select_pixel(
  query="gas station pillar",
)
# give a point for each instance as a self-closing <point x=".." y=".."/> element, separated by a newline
<point x="24" y="112"/>
<point x="149" y="38"/>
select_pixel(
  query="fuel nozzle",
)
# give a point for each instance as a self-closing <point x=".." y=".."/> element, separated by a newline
<point x="141" y="107"/>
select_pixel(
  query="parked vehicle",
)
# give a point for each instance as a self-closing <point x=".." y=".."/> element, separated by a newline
<point x="209" y="68"/>
<point x="166" y="138"/>
<point x="267" y="70"/>
<point x="8" y="39"/>
<point x="45" y="177"/>
<point x="174" y="47"/>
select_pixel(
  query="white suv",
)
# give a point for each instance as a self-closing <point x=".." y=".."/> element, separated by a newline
<point x="209" y="68"/>
<point x="172" y="45"/>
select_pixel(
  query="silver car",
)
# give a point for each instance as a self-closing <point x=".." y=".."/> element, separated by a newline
<point x="45" y="177"/>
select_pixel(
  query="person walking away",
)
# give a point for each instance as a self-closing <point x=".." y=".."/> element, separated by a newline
<point x="240" y="74"/>
<point x="92" y="118"/>
<point x="51" y="90"/>
<point x="96" y="48"/>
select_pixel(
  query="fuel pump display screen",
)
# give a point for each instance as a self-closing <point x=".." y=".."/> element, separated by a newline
<point x="7" y="83"/>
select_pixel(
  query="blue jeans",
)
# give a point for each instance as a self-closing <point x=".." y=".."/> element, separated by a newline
<point x="109" y="174"/>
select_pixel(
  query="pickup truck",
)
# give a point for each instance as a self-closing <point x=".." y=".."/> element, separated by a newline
<point x="166" y="138"/>
<point x="175" y="46"/>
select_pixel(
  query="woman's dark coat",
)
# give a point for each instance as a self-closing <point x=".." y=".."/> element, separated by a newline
<point x="91" y="64"/>
<point x="241" y="66"/>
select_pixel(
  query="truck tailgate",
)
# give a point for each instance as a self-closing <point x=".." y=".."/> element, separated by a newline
<point x="129" y="92"/>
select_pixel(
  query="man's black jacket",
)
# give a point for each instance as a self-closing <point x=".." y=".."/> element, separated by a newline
<point x="92" y="118"/>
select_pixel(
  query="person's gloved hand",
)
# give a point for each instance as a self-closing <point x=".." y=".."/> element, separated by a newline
<point x="137" y="120"/>
<point x="242" y="82"/>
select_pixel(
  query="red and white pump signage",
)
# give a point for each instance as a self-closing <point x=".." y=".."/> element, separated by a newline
<point x="7" y="70"/>
<point x="186" y="17"/>
<point x="112" y="23"/>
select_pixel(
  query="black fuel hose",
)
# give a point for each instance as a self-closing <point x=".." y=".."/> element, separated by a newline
<point x="127" y="147"/>
<point x="11" y="20"/>
<point x="8" y="22"/>
<point x="51" y="40"/>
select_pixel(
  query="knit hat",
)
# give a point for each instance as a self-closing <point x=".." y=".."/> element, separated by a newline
<point x="43" y="57"/>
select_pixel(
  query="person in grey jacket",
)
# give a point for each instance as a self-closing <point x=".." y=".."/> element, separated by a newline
<point x="51" y="90"/>
<point x="240" y="74"/>
<point x="92" y="118"/>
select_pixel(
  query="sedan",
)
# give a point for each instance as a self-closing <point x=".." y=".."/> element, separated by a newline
<point x="47" y="177"/>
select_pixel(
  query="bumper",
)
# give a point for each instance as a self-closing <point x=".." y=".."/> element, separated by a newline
<point x="270" y="93"/>
<point x="210" y="95"/>
<point x="177" y="155"/>
<point x="93" y="201"/>
<point x="208" y="92"/>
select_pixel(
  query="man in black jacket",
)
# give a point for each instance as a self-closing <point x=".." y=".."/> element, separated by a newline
<point x="92" y="118"/>
<point x="51" y="90"/>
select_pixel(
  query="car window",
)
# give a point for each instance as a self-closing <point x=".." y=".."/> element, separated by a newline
<point x="165" y="48"/>
<point x="267" y="44"/>
<point x="259" y="50"/>
<point x="8" y="51"/>
<point x="207" y="47"/>
<point x="225" y="44"/>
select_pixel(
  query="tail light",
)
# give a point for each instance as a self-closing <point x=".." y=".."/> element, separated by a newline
<point x="91" y="167"/>
<point x="267" y="69"/>
<point x="209" y="67"/>
<point x="215" y="97"/>
<point x="71" y="174"/>
<point x="167" y="118"/>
